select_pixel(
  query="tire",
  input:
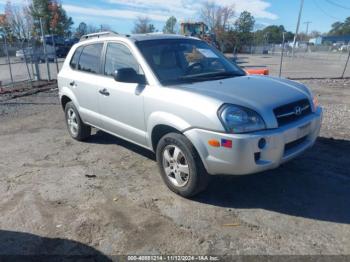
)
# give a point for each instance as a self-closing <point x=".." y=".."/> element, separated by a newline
<point x="76" y="128"/>
<point x="174" y="152"/>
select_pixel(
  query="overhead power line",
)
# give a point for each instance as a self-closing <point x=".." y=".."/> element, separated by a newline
<point x="337" y="4"/>
<point x="324" y="12"/>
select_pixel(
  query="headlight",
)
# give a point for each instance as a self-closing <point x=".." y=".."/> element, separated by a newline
<point x="237" y="119"/>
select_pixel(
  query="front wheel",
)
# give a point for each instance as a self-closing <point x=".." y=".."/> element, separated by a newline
<point x="180" y="165"/>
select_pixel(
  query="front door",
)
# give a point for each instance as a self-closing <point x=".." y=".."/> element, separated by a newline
<point x="121" y="104"/>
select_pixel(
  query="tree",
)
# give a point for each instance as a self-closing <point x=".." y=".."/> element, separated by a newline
<point x="170" y="24"/>
<point x="18" y="21"/>
<point x="105" y="27"/>
<point x="5" y="27"/>
<point x="272" y="34"/>
<point x="314" y="34"/>
<point x="54" y="17"/>
<point x="218" y="19"/>
<point x="92" y="29"/>
<point x="151" y="28"/>
<point x="81" y="30"/>
<point x="303" y="37"/>
<point x="60" y="23"/>
<point x="341" y="28"/>
<point x="244" y="26"/>
<point x="143" y="25"/>
<point x="245" y="23"/>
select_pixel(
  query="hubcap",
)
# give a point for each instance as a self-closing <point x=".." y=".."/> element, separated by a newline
<point x="72" y="122"/>
<point x="175" y="166"/>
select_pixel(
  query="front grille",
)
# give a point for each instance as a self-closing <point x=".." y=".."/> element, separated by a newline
<point x="291" y="112"/>
<point x="294" y="144"/>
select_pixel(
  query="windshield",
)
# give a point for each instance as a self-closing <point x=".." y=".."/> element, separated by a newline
<point x="176" y="61"/>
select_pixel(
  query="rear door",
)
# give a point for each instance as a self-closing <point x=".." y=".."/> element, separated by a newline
<point x="86" y="65"/>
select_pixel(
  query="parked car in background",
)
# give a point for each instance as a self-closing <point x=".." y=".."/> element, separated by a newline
<point x="55" y="47"/>
<point x="61" y="44"/>
<point x="344" y="48"/>
<point x="36" y="55"/>
<point x="62" y="51"/>
<point x="185" y="101"/>
<point x="25" y="53"/>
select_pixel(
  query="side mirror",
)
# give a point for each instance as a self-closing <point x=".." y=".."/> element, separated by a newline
<point x="129" y="75"/>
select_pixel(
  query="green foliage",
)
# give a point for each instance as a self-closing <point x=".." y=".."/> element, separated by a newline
<point x="81" y="30"/>
<point x="243" y="29"/>
<point x="170" y="24"/>
<point x="54" y="18"/>
<point x="341" y="28"/>
<point x="245" y="23"/>
<point x="272" y="34"/>
<point x="151" y="28"/>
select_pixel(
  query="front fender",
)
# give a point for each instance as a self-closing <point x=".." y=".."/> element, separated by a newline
<point x="163" y="118"/>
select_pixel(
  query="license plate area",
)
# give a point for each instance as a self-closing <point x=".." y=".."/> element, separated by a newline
<point x="294" y="144"/>
<point x="304" y="130"/>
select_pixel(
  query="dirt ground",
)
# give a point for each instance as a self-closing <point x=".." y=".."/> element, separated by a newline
<point x="105" y="196"/>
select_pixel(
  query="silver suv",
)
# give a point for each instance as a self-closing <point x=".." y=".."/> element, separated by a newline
<point x="182" y="99"/>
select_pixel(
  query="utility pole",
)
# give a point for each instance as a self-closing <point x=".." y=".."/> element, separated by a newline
<point x="9" y="59"/>
<point x="282" y="52"/>
<point x="307" y="26"/>
<point x="54" y="49"/>
<point x="346" y="64"/>
<point x="298" y="24"/>
<point x="45" y="51"/>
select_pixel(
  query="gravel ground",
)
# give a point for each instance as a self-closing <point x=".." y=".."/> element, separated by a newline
<point x="105" y="196"/>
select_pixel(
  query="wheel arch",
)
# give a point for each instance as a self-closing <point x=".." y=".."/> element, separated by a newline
<point x="159" y="131"/>
<point x="66" y="95"/>
<point x="64" y="100"/>
<point x="161" y="123"/>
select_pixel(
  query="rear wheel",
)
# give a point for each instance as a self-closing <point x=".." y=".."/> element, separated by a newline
<point x="180" y="165"/>
<point x="77" y="129"/>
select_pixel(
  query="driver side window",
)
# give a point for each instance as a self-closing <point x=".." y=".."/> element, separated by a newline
<point x="119" y="56"/>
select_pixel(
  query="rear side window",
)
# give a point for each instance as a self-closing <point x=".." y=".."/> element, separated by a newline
<point x="90" y="58"/>
<point x="75" y="58"/>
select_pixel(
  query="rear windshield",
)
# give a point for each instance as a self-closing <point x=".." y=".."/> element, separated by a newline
<point x="177" y="61"/>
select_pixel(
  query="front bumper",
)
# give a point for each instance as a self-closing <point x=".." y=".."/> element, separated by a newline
<point x="245" y="156"/>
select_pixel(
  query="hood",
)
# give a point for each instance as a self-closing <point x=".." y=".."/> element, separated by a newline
<point x="260" y="93"/>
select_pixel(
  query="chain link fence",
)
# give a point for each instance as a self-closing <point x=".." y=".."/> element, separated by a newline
<point x="23" y="62"/>
<point x="306" y="61"/>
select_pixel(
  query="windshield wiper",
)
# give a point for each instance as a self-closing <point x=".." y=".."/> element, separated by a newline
<point x="200" y="77"/>
<point x="212" y="75"/>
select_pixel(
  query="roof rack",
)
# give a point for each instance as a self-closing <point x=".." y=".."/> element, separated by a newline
<point x="98" y="35"/>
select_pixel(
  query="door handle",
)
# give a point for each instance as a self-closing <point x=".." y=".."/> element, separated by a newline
<point x="104" y="92"/>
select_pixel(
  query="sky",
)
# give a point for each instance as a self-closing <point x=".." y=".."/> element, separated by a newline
<point x="121" y="14"/>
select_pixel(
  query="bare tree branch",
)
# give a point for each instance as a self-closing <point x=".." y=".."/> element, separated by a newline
<point x="217" y="17"/>
<point x="19" y="20"/>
